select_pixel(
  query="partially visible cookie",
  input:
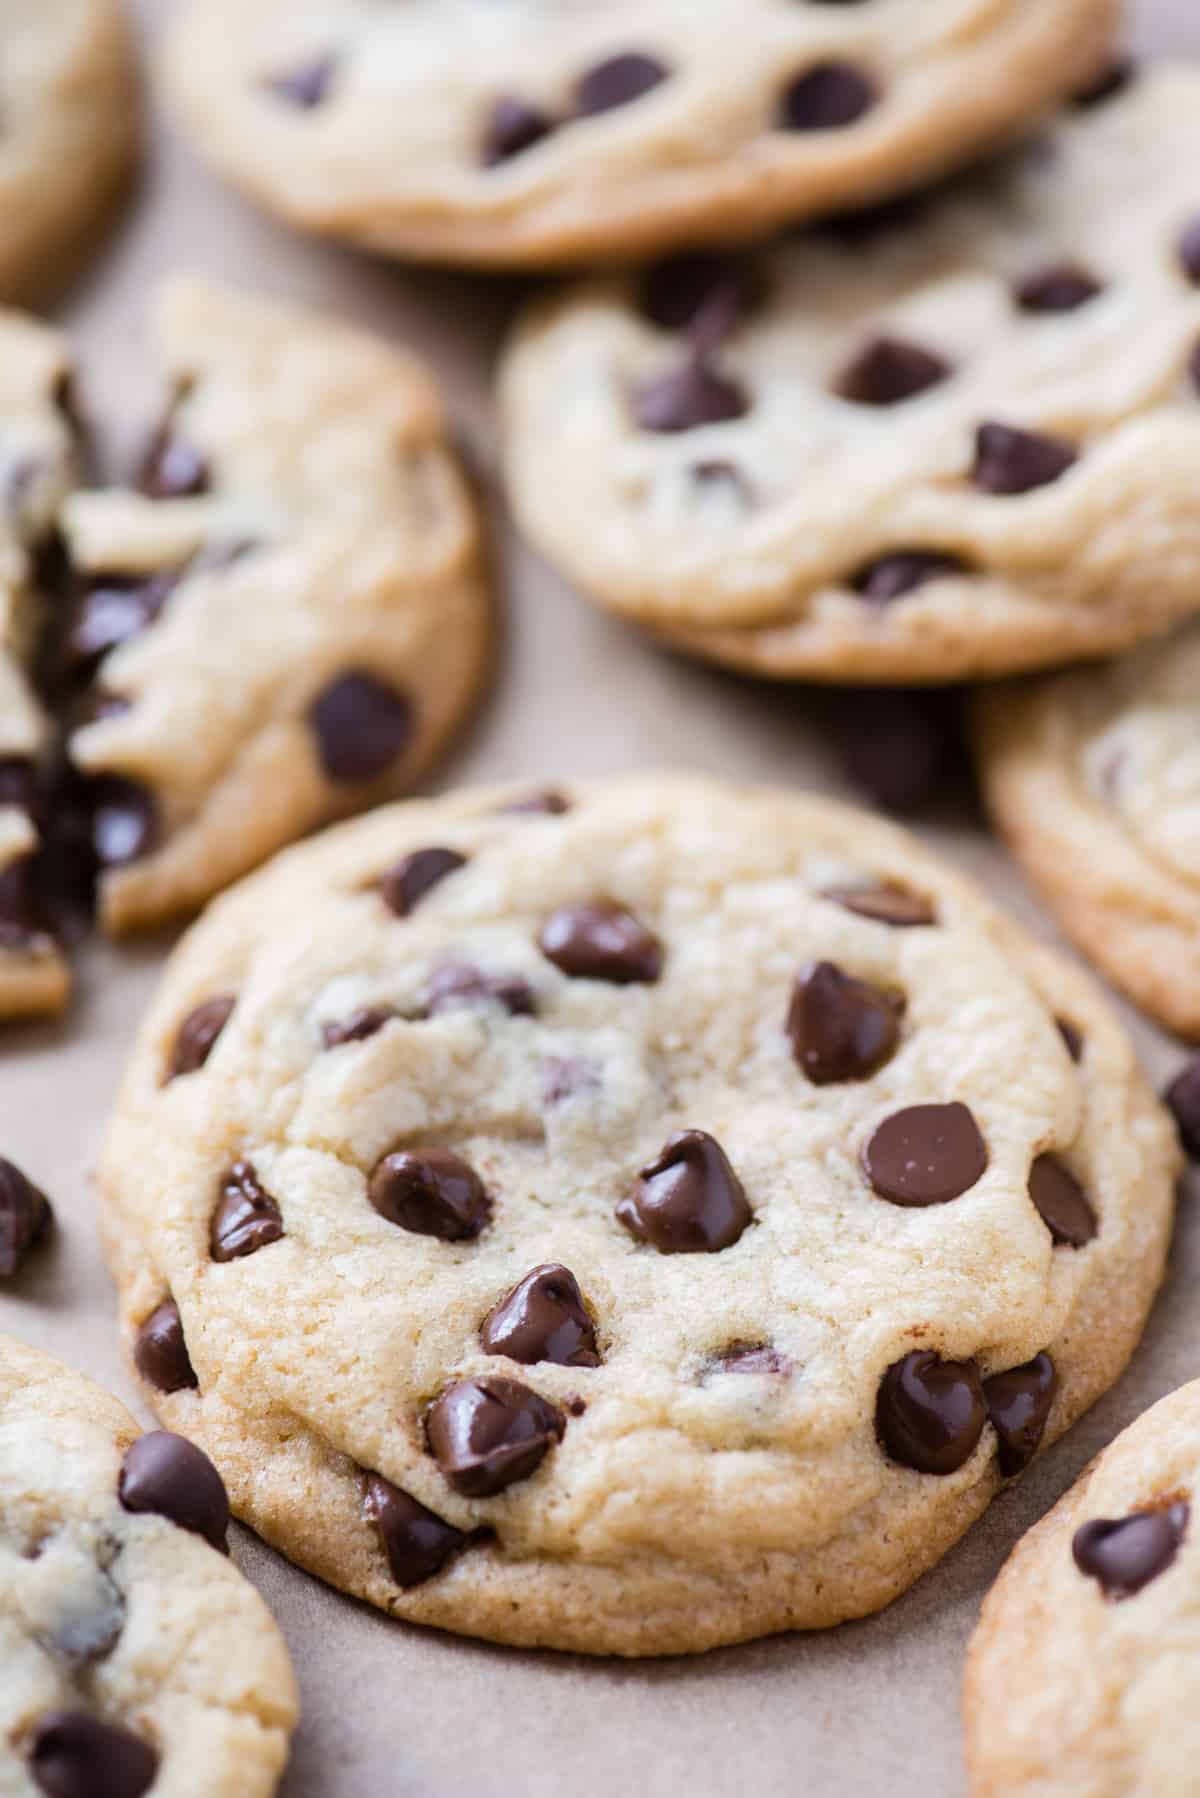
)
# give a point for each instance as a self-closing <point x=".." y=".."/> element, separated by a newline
<point x="956" y="439"/>
<point x="69" y="126"/>
<point x="1083" y="1678"/>
<point x="37" y="466"/>
<point x="136" y="1658"/>
<point x="287" y="618"/>
<point x="1093" y="776"/>
<point x="539" y="133"/>
<point x="627" y="1218"/>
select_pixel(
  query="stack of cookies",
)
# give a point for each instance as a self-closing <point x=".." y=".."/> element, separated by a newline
<point x="636" y="1215"/>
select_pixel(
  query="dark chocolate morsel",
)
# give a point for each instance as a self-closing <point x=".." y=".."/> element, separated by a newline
<point x="548" y="803"/>
<point x="197" y="1036"/>
<point x="24" y="1217"/>
<point x="406" y="884"/>
<point x="160" y="1352"/>
<point x="1060" y="287"/>
<point x="1073" y="1038"/>
<point x="307" y="85"/>
<point x="618" y="81"/>
<point x="751" y="1358"/>
<point x="431" y="1192"/>
<point x="1124" y="1554"/>
<point x="841" y="1028"/>
<point x="902" y="572"/>
<point x="171" y="1477"/>
<point x="1061" y="1203"/>
<point x="827" y="97"/>
<point x="601" y="941"/>
<point x="1008" y="461"/>
<point x="247" y="1218"/>
<point x="417" y="1542"/>
<point x="688" y="1200"/>
<point x="930" y="1413"/>
<point x="486" y="1434"/>
<point x="1018" y="1404"/>
<point x="687" y="397"/>
<point x="543" y="1318"/>
<point x="926" y="1155"/>
<point x="361" y="1024"/>
<point x="456" y="985"/>
<point x="362" y="727"/>
<point x="73" y="1754"/>
<point x="892" y="905"/>
<point x="513" y="126"/>
<point x="889" y="370"/>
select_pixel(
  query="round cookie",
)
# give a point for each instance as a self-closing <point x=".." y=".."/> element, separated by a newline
<point x="1093" y="776"/>
<point x="1083" y="1672"/>
<point x="632" y="1218"/>
<point x="540" y="133"/>
<point x="955" y="439"/>
<point x="69" y="127"/>
<point x="287" y="619"/>
<point x="135" y="1655"/>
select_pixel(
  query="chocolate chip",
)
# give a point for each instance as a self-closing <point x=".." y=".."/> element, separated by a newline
<point x="513" y="126"/>
<point x="547" y="804"/>
<point x="1008" y="461"/>
<point x="1123" y="1555"/>
<point x="751" y="1358"/>
<point x="543" y="1318"/>
<point x="197" y="1035"/>
<point x="926" y="1155"/>
<point x="676" y="292"/>
<point x="307" y="85"/>
<point x="362" y="727"/>
<point x="1061" y="1203"/>
<point x="23" y="917"/>
<point x="356" y="1028"/>
<point x="486" y="1434"/>
<point x="602" y="941"/>
<point x="431" y="1192"/>
<point x="930" y="1413"/>
<point x="1183" y="1099"/>
<point x="687" y="398"/>
<point x="888" y="370"/>
<point x="618" y="82"/>
<point x="169" y="1476"/>
<point x="900" y="747"/>
<point x="110" y="613"/>
<point x="1113" y="79"/>
<point x="457" y="985"/>
<point x="160" y="1352"/>
<point x="406" y="884"/>
<point x="826" y="97"/>
<point x="125" y="821"/>
<point x="891" y="905"/>
<point x="417" y="1542"/>
<point x="19" y="785"/>
<point x="75" y="1755"/>
<point x="1060" y="287"/>
<point x="841" y="1028"/>
<point x="893" y="576"/>
<point x="1018" y="1404"/>
<point x="246" y="1219"/>
<point x="688" y="1200"/>
<point x="24" y="1218"/>
<point x="172" y="468"/>
<point x="1072" y="1037"/>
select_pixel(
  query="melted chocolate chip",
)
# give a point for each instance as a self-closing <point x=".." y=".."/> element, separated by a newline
<point x="1125" y="1554"/>
<point x="1072" y="1037"/>
<point x="687" y="398"/>
<point x="688" y="1200"/>
<point x="169" y="1476"/>
<point x="893" y="576"/>
<point x="486" y="1434"/>
<point x="125" y="821"/>
<point x="197" y="1035"/>
<point x="307" y="85"/>
<point x="930" y="1413"/>
<point x="888" y="370"/>
<point x="24" y="1218"/>
<point x="602" y="941"/>
<point x="362" y="727"/>
<point x="417" y="1542"/>
<point x="543" y="1318"/>
<point x="827" y="97"/>
<point x="1060" y="287"/>
<point x="356" y="1028"/>
<point x="431" y="1192"/>
<point x="547" y="804"/>
<point x="246" y="1219"/>
<point x="172" y="468"/>
<point x="406" y="884"/>
<point x="75" y="1755"/>
<point x="618" y="82"/>
<point x="1018" y="1404"/>
<point x="678" y="291"/>
<point x="841" y="1028"/>
<point x="112" y="612"/>
<point x="1061" y="1203"/>
<point x="160" y="1352"/>
<point x="513" y="126"/>
<point x="757" y="1358"/>
<point x="1183" y="1100"/>
<point x="1113" y="79"/>
<point x="891" y="905"/>
<point x="926" y="1155"/>
<point x="1008" y="461"/>
<point x="458" y="985"/>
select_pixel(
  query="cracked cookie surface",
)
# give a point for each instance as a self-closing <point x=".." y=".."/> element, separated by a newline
<point x="630" y="1218"/>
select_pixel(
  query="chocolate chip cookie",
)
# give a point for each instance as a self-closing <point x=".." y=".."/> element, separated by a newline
<point x="535" y="132"/>
<point x="1085" y="1668"/>
<point x="954" y="438"/>
<point x="1093" y="776"/>
<point x="68" y="133"/>
<point x="136" y="1658"/>
<point x="282" y="620"/>
<point x="628" y="1217"/>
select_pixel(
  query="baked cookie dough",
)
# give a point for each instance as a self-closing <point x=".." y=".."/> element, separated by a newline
<point x="69" y="127"/>
<point x="955" y="440"/>
<point x="1093" y="776"/>
<point x="284" y="621"/>
<point x="628" y="1218"/>
<point x="1084" y="1673"/>
<point x="136" y="1658"/>
<point x="535" y="132"/>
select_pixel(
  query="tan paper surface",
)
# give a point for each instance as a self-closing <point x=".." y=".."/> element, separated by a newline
<point x="393" y="1712"/>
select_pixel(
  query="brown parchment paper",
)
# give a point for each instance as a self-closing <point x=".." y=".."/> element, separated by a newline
<point x="394" y="1712"/>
